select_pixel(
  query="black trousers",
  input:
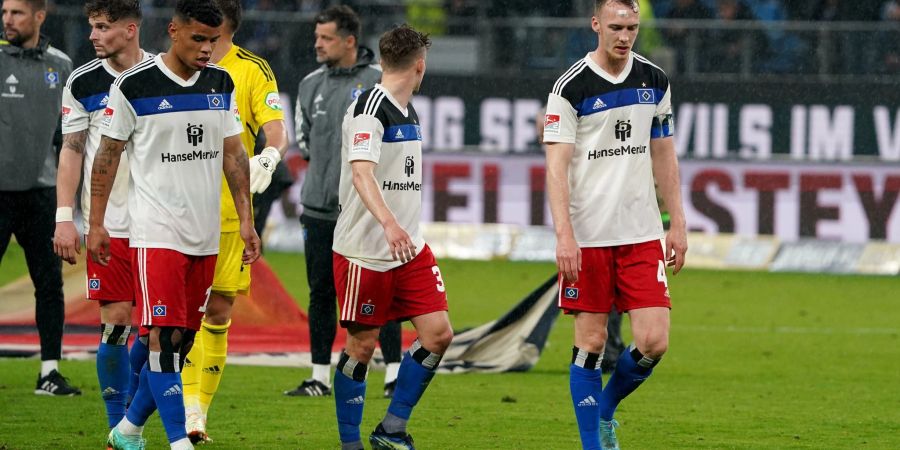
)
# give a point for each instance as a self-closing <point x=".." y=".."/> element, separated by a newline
<point x="31" y="217"/>
<point x="318" y="237"/>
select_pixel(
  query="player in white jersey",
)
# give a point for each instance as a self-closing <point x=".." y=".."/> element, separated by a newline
<point x="177" y="114"/>
<point x="608" y="130"/>
<point x="379" y="272"/>
<point x="115" y="34"/>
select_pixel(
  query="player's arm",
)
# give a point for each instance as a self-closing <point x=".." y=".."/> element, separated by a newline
<point x="103" y="175"/>
<point x="236" y="167"/>
<point x="66" y="242"/>
<point x="366" y="185"/>
<point x="568" y="254"/>
<point x="560" y="126"/>
<point x="262" y="166"/>
<point x="665" y="170"/>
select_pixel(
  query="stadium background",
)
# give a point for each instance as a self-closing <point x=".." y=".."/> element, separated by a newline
<point x="788" y="126"/>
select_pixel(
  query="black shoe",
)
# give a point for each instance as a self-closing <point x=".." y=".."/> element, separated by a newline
<point x="310" y="388"/>
<point x="382" y="440"/>
<point x="55" y="384"/>
<point x="389" y="389"/>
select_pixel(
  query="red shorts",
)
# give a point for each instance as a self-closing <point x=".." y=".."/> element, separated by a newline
<point x="368" y="297"/>
<point x="631" y="276"/>
<point x="171" y="287"/>
<point x="111" y="283"/>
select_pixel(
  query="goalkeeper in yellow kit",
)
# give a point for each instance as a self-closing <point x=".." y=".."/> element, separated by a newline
<point x="260" y="108"/>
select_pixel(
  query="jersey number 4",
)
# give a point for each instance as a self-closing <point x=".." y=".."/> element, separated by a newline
<point x="661" y="274"/>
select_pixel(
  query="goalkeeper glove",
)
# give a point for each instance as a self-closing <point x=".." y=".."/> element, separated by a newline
<point x="261" y="168"/>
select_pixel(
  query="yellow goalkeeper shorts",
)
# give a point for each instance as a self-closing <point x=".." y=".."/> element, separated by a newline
<point x="232" y="277"/>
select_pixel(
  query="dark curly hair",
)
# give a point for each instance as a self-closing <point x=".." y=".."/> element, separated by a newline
<point x="203" y="11"/>
<point x="401" y="46"/>
<point x="114" y="9"/>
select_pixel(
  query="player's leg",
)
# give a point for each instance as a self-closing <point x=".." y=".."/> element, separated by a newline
<point x="318" y="236"/>
<point x="365" y="297"/>
<point x="420" y="295"/>
<point x="643" y="293"/>
<point x="208" y="355"/>
<point x="112" y="287"/>
<point x="45" y="268"/>
<point x="391" y="349"/>
<point x="350" y="383"/>
<point x="590" y="299"/>
<point x="137" y="357"/>
<point x="614" y="343"/>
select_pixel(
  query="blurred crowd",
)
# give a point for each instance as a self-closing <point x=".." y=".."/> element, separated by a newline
<point x="755" y="43"/>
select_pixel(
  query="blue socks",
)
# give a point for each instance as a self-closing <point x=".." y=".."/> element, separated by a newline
<point x="138" y="357"/>
<point x="165" y="384"/>
<point x="632" y="369"/>
<point x="113" y="369"/>
<point x="349" y="398"/>
<point x="142" y="403"/>
<point x="586" y="384"/>
<point x="416" y="371"/>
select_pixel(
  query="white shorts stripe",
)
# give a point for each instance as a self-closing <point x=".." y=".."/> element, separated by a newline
<point x="147" y="318"/>
<point x="356" y="290"/>
<point x="347" y="289"/>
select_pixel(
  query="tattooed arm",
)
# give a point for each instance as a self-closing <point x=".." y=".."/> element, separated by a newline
<point x="103" y="174"/>
<point x="236" y="166"/>
<point x="66" y="242"/>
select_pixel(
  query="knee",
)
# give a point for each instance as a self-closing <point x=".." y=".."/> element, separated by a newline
<point x="591" y="341"/>
<point x="218" y="309"/>
<point x="361" y="348"/>
<point x="655" y="348"/>
<point x="438" y="340"/>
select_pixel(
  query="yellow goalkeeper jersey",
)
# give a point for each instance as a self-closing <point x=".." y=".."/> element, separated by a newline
<point x="258" y="101"/>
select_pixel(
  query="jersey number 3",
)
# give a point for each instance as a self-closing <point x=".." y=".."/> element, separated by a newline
<point x="440" y="281"/>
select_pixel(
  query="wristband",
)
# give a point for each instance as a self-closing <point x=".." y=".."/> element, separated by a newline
<point x="64" y="214"/>
<point x="271" y="152"/>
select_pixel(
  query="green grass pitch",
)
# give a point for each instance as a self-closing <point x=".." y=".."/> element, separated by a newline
<point x="756" y="361"/>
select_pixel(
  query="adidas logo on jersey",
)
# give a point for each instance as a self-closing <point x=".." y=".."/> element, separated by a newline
<point x="174" y="390"/>
<point x="164" y="105"/>
<point x="589" y="401"/>
<point x="358" y="400"/>
<point x="399" y="134"/>
<point x="599" y="104"/>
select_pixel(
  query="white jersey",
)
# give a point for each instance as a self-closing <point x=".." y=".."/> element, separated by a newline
<point x="376" y="129"/>
<point x="84" y="99"/>
<point x="611" y="120"/>
<point x="175" y="130"/>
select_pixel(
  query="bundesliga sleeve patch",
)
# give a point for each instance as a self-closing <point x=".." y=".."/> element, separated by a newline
<point x="273" y="101"/>
<point x="107" y="117"/>
<point x="551" y="124"/>
<point x="361" y="143"/>
<point x="66" y="111"/>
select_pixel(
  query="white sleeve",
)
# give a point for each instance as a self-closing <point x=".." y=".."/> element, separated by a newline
<point x="75" y="117"/>
<point x="119" y="118"/>
<point x="560" y="121"/>
<point x="663" y="123"/>
<point x="366" y="132"/>
<point x="233" y="123"/>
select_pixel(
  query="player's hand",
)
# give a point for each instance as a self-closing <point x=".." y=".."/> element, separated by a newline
<point x="66" y="242"/>
<point x="676" y="247"/>
<point x="262" y="166"/>
<point x="568" y="258"/>
<point x="98" y="244"/>
<point x="402" y="247"/>
<point x="252" y="244"/>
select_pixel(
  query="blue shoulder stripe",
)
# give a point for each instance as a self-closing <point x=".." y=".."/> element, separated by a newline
<point x="402" y="133"/>
<point x="619" y="99"/>
<point x="94" y="102"/>
<point x="179" y="103"/>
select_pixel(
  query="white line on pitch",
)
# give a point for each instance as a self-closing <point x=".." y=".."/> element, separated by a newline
<point x="785" y="330"/>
